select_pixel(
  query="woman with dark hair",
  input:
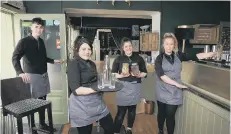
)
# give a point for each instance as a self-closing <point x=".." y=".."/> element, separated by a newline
<point x="169" y="85"/>
<point x="86" y="105"/>
<point x="129" y="68"/>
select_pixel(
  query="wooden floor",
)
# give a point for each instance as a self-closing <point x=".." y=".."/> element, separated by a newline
<point x="144" y="124"/>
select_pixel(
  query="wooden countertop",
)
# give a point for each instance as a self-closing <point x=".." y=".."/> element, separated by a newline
<point x="223" y="101"/>
<point x="99" y="66"/>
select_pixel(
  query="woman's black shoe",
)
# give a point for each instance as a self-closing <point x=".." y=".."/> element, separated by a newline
<point x="161" y="132"/>
<point x="128" y="131"/>
<point x="46" y="127"/>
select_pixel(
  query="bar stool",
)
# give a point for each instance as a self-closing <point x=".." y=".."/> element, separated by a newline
<point x="17" y="101"/>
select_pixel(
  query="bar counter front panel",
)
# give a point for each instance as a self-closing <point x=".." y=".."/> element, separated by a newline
<point x="208" y="79"/>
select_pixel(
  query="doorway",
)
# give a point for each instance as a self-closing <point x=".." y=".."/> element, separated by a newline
<point x="154" y="16"/>
<point x="55" y="42"/>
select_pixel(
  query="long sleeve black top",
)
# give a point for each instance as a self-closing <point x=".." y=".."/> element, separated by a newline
<point x="81" y="73"/>
<point x="34" y="56"/>
<point x="134" y="58"/>
<point x="158" y="62"/>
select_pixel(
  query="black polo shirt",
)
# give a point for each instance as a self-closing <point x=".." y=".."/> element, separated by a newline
<point x="134" y="58"/>
<point x="81" y="73"/>
<point x="170" y="58"/>
<point x="34" y="56"/>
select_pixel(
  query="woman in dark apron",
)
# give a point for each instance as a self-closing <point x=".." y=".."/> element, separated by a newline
<point x="86" y="105"/>
<point x="169" y="85"/>
<point x="129" y="96"/>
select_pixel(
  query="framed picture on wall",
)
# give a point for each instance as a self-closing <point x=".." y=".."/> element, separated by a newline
<point x="135" y="44"/>
<point x="135" y="30"/>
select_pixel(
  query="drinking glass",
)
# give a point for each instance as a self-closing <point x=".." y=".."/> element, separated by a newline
<point x="113" y="81"/>
<point x="219" y="53"/>
<point x="100" y="81"/>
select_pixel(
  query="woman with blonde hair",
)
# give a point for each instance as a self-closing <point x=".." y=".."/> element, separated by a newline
<point x="169" y="85"/>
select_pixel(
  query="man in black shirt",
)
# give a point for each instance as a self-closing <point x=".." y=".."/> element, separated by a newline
<point x="33" y="51"/>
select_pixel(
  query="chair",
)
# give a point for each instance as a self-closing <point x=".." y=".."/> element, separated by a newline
<point x="17" y="101"/>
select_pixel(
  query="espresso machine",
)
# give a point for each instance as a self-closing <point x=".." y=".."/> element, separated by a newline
<point x="222" y="48"/>
<point x="213" y="37"/>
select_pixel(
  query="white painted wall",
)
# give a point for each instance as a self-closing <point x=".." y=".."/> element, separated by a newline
<point x="7" y="45"/>
<point x="156" y="22"/>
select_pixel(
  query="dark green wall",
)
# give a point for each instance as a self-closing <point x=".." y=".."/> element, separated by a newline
<point x="109" y="22"/>
<point x="172" y="13"/>
<point x="182" y="12"/>
<point x="189" y="13"/>
<point x="57" y="6"/>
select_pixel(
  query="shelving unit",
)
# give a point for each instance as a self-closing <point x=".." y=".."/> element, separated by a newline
<point x="149" y="41"/>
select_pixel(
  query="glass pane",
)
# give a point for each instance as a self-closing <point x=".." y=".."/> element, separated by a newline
<point x="51" y="38"/>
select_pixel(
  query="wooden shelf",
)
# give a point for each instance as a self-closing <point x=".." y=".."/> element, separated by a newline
<point x="149" y="41"/>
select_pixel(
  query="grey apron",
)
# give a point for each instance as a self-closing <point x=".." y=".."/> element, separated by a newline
<point x="40" y="85"/>
<point x="167" y="93"/>
<point x="86" y="109"/>
<point x="129" y="94"/>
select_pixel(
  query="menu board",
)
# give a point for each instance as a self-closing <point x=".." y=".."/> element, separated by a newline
<point x="205" y="34"/>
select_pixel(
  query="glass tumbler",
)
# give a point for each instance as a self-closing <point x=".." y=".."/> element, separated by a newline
<point x="100" y="81"/>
